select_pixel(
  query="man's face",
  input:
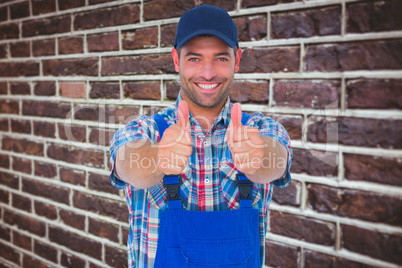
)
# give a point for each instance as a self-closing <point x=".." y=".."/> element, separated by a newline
<point x="206" y="66"/>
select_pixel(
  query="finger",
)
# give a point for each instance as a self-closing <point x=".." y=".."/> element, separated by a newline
<point x="183" y="114"/>
<point x="236" y="115"/>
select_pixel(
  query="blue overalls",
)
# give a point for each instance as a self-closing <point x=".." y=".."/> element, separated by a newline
<point x="201" y="239"/>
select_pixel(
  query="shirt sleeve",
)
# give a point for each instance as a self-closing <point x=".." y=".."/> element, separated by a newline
<point x="271" y="128"/>
<point x="142" y="128"/>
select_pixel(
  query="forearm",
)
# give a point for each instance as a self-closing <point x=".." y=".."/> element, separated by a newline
<point x="273" y="164"/>
<point x="137" y="164"/>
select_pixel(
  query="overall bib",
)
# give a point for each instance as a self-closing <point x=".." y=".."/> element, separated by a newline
<point x="201" y="239"/>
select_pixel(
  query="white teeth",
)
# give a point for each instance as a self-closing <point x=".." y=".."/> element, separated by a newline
<point x="207" y="86"/>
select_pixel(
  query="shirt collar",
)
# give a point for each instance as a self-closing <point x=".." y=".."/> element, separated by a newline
<point x="224" y="114"/>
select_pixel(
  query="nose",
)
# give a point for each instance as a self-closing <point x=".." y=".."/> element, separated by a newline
<point x="207" y="70"/>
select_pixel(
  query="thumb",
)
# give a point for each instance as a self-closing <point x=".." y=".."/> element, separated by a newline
<point x="183" y="114"/>
<point x="236" y="115"/>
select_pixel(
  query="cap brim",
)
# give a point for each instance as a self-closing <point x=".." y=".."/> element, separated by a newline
<point x="221" y="36"/>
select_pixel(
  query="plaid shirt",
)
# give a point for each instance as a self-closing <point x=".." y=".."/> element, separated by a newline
<point x="209" y="180"/>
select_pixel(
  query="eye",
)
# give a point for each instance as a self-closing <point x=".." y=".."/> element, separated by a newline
<point x="222" y="59"/>
<point x="193" y="59"/>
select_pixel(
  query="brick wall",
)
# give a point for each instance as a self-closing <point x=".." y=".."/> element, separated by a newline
<point x="72" y="72"/>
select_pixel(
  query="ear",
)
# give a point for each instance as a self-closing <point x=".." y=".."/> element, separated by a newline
<point x="237" y="63"/>
<point x="175" y="57"/>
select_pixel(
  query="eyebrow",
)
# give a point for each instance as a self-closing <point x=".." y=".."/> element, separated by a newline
<point x="199" y="55"/>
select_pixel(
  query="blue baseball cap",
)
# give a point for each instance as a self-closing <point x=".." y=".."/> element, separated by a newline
<point x="206" y="20"/>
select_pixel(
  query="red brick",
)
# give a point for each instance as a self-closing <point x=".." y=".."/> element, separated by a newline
<point x="9" y="180"/>
<point x="374" y="94"/>
<point x="71" y="45"/>
<point x="44" y="169"/>
<point x="376" y="132"/>
<point x="76" y="177"/>
<point x="115" y="257"/>
<point x="172" y="89"/>
<point x="104" y="229"/>
<point x="45" y="108"/>
<point x="72" y="133"/>
<point x="63" y="5"/>
<point x="168" y="34"/>
<point x="5" y="233"/>
<point x="25" y="223"/>
<point x="251" y="28"/>
<point x="74" y="155"/>
<point x="3" y="88"/>
<point x="22" y="165"/>
<point x="105" y="90"/>
<point x="292" y="124"/>
<point x="101" y="136"/>
<point x="101" y="183"/>
<point x="305" y="161"/>
<point x="120" y="15"/>
<point x="48" y="26"/>
<point x="75" y="242"/>
<point x="3" y="13"/>
<point x="46" y="190"/>
<point x="22" y="241"/>
<point x="103" y="42"/>
<point x="258" y="3"/>
<point x="166" y="9"/>
<point x="20" y="88"/>
<point x="307" y="23"/>
<point x="19" y="10"/>
<point x="306" y="94"/>
<point x="109" y="208"/>
<point x="44" y="47"/>
<point x="4" y="125"/>
<point x="45" y="210"/>
<point x="21" y="126"/>
<point x="43" y="6"/>
<point x="44" y="129"/>
<point x="122" y="115"/>
<point x="3" y="51"/>
<point x="4" y="161"/>
<point x="10" y="254"/>
<point x="140" y="38"/>
<point x="94" y="2"/>
<point x="372" y="243"/>
<point x="250" y="91"/>
<point x="279" y="255"/>
<point x="145" y="64"/>
<point x="89" y="112"/>
<point x="22" y="146"/>
<point x="268" y="60"/>
<point x="72" y="219"/>
<point x="355" y="204"/>
<point x="317" y="260"/>
<point x="45" y="88"/>
<point x="289" y="196"/>
<point x="14" y="69"/>
<point x="71" y="261"/>
<point x="381" y="170"/>
<point x="368" y="55"/>
<point x="66" y="67"/>
<point x="29" y="262"/>
<point x="301" y="228"/>
<point x="9" y="31"/>
<point x="374" y="16"/>
<point x="20" y="49"/>
<point x="45" y="251"/>
<point x="142" y="90"/>
<point x="73" y="89"/>
<point x="4" y="195"/>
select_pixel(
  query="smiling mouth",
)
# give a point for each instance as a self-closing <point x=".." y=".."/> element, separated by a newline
<point x="207" y="86"/>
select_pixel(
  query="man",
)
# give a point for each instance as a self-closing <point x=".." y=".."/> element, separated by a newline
<point x="188" y="191"/>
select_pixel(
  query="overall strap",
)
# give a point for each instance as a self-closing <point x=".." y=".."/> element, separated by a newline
<point x="170" y="182"/>
<point x="242" y="182"/>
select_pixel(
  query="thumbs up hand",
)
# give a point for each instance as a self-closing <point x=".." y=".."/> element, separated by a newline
<point x="175" y="145"/>
<point x="244" y="143"/>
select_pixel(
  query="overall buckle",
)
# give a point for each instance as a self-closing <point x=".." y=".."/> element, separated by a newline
<point x="244" y="187"/>
<point x="172" y="188"/>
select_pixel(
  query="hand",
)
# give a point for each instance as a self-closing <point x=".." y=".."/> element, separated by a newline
<point x="245" y="143"/>
<point x="175" y="146"/>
